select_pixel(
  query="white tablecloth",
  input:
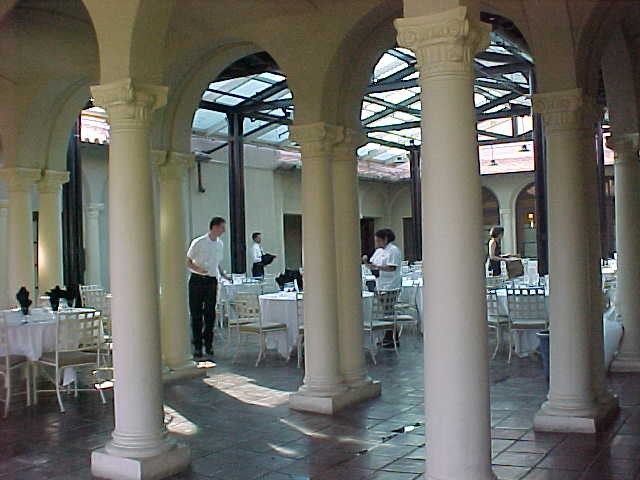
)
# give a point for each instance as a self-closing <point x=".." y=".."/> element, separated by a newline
<point x="33" y="338"/>
<point x="35" y="334"/>
<point x="281" y="308"/>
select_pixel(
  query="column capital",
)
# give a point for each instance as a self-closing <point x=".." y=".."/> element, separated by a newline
<point x="444" y="43"/>
<point x="128" y="103"/>
<point x="625" y="146"/>
<point x="172" y="166"/>
<point x="566" y="110"/>
<point x="352" y="139"/>
<point x="93" y="209"/>
<point x="52" y="181"/>
<point x="20" y="179"/>
<point x="316" y="139"/>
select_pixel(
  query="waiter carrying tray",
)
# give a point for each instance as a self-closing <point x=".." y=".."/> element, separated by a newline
<point x="259" y="258"/>
<point x="204" y="259"/>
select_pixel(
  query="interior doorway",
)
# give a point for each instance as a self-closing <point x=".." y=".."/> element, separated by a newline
<point x="292" y="241"/>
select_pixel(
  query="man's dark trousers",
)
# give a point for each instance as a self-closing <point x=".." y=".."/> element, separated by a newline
<point x="202" y="305"/>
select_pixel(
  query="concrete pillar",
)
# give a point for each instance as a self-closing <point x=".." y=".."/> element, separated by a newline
<point x="50" y="229"/>
<point x="174" y="319"/>
<point x="139" y="443"/>
<point x="93" y="257"/>
<point x="4" y="256"/>
<point x="323" y="390"/>
<point x="456" y="357"/>
<point x="627" y="191"/>
<point x="507" y="221"/>
<point x="347" y="256"/>
<point x="572" y="406"/>
<point x="20" y="183"/>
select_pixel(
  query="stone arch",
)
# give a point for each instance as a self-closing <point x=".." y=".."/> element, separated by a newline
<point x="188" y="82"/>
<point x="489" y="198"/>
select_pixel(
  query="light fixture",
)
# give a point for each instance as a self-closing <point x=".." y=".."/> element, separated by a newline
<point x="524" y="148"/>
<point x="531" y="219"/>
<point x="493" y="162"/>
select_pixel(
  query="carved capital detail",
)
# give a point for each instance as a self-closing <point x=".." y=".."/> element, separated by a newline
<point x="52" y="181"/>
<point x="316" y="140"/>
<point x="20" y="179"/>
<point x="626" y="147"/>
<point x="347" y="148"/>
<point x="172" y="166"/>
<point x="444" y="43"/>
<point x="566" y="110"/>
<point x="129" y="104"/>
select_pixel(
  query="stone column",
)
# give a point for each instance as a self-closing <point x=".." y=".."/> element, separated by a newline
<point x="627" y="191"/>
<point x="174" y="320"/>
<point x="509" y="243"/>
<point x="323" y="390"/>
<point x="4" y="256"/>
<point x="569" y="119"/>
<point x="50" y="229"/>
<point x="347" y="256"/>
<point x="456" y="357"/>
<point x="93" y="271"/>
<point x="20" y="183"/>
<point x="139" y="443"/>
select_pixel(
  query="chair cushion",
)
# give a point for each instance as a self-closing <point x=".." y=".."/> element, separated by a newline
<point x="255" y="327"/>
<point x="378" y="325"/>
<point x="66" y="359"/>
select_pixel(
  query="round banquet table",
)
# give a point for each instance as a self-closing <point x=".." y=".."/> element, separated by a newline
<point x="34" y="334"/>
<point x="281" y="308"/>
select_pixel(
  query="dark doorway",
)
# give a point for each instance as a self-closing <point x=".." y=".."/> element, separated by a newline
<point x="367" y="229"/>
<point x="292" y="241"/>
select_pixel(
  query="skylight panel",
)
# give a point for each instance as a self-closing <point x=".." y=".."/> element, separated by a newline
<point x="275" y="77"/>
<point x="205" y="119"/>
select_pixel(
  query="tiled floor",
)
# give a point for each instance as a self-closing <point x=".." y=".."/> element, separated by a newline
<point x="240" y="427"/>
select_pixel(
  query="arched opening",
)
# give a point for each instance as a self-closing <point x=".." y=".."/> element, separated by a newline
<point x="526" y="222"/>
<point x="240" y="131"/>
<point x="490" y="211"/>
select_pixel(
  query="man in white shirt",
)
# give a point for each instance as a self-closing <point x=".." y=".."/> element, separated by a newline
<point x="204" y="259"/>
<point x="257" y="268"/>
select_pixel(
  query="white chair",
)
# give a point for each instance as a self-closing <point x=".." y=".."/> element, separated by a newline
<point x="79" y="340"/>
<point x="94" y="296"/>
<point x="494" y="283"/>
<point x="497" y="320"/>
<point x="406" y="310"/>
<point x="10" y="363"/>
<point x="383" y="307"/>
<point x="249" y="321"/>
<point x="300" y="325"/>
<point x="527" y="311"/>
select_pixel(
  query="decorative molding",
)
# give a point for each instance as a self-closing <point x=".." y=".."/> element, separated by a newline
<point x="20" y="179"/>
<point x="129" y="104"/>
<point x="93" y="210"/>
<point x="625" y="146"/>
<point x="444" y="43"/>
<point x="566" y="110"/>
<point x="4" y="208"/>
<point x="172" y="166"/>
<point x="346" y="150"/>
<point x="52" y="181"/>
<point x="316" y="140"/>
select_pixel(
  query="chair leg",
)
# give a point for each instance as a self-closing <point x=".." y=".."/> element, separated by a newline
<point x="510" y="333"/>
<point x="262" y="342"/>
<point x="34" y="376"/>
<point x="372" y="352"/>
<point x="102" y="396"/>
<point x="27" y="378"/>
<point x="7" y="388"/>
<point x="57" y="380"/>
<point x="395" y="339"/>
<point x="498" y="339"/>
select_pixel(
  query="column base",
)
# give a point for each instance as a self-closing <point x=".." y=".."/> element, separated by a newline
<point x="472" y="476"/>
<point x="550" y="419"/>
<point x="626" y="364"/>
<point x="175" y="460"/>
<point x="328" y="405"/>
<point x="189" y="370"/>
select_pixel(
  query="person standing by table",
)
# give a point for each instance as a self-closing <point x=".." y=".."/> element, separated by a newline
<point x="387" y="260"/>
<point x="204" y="259"/>
<point x="257" y="268"/>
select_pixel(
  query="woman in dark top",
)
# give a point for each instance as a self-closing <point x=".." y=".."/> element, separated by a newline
<point x="495" y="250"/>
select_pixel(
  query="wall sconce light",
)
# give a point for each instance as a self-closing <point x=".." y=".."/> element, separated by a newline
<point x="531" y="219"/>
